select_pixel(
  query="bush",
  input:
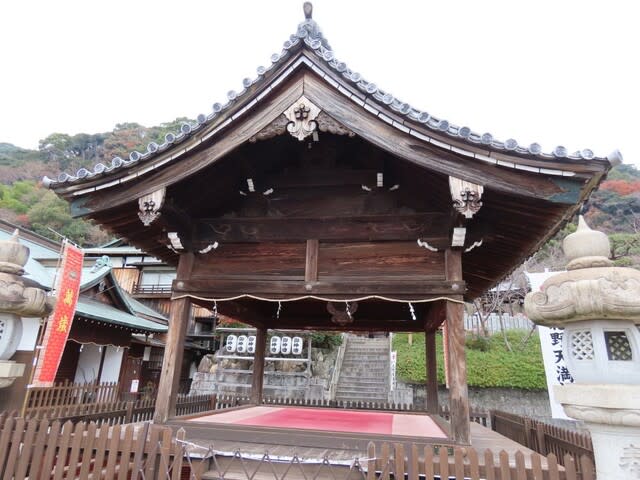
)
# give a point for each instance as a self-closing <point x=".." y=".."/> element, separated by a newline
<point x="489" y="362"/>
<point x="326" y="340"/>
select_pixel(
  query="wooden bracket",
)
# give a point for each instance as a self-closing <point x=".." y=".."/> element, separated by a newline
<point x="466" y="196"/>
<point x="149" y="206"/>
<point x="179" y="226"/>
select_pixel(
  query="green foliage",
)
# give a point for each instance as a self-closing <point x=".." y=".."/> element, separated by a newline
<point x="489" y="363"/>
<point x="482" y="344"/>
<point x="13" y="156"/>
<point x="41" y="210"/>
<point x="624" y="172"/>
<point x="615" y="206"/>
<point x="19" y="197"/>
<point x="327" y="340"/>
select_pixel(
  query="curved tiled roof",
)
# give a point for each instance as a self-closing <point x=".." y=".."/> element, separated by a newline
<point x="309" y="35"/>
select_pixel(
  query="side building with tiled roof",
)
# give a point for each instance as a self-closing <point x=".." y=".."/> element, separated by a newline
<point x="110" y="333"/>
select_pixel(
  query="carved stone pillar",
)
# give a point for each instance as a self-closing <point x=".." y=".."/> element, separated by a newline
<point x="17" y="299"/>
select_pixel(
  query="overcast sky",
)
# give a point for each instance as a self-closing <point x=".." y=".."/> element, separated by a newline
<point x="555" y="72"/>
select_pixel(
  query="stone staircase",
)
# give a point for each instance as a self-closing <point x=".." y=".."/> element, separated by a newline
<point x="365" y="370"/>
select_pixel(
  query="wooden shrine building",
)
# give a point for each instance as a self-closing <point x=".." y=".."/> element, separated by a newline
<point x="312" y="199"/>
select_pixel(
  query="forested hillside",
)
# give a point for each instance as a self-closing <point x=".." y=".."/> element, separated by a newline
<point x="614" y="208"/>
<point x="25" y="202"/>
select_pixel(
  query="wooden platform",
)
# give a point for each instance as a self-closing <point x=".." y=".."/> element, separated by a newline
<point x="227" y="438"/>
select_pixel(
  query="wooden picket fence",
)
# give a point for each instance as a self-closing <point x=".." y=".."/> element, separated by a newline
<point x="121" y="411"/>
<point x="542" y="437"/>
<point x="67" y="394"/>
<point x="39" y="449"/>
<point x="417" y="463"/>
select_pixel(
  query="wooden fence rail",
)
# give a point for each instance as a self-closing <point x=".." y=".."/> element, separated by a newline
<point x="411" y="462"/>
<point x="542" y="437"/>
<point x="68" y="394"/>
<point x="39" y="449"/>
<point x="120" y="412"/>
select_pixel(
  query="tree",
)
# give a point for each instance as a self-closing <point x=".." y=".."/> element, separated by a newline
<point x="19" y="197"/>
<point x="625" y="249"/>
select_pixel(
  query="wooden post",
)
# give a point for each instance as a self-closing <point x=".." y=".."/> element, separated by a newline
<point x="173" y="352"/>
<point x="458" y="392"/>
<point x="258" y="366"/>
<point x="311" y="263"/>
<point x="432" y="372"/>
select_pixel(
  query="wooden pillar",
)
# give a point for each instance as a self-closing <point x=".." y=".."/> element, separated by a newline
<point x="174" y="348"/>
<point x="432" y="372"/>
<point x="257" y="380"/>
<point x="458" y="392"/>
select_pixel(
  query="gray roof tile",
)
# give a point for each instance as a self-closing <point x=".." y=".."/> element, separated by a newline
<point x="309" y="34"/>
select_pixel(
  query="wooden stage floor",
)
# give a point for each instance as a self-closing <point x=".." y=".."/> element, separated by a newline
<point x="318" y="433"/>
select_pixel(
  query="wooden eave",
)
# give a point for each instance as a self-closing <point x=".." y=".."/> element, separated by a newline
<point x="262" y="93"/>
<point x="562" y="183"/>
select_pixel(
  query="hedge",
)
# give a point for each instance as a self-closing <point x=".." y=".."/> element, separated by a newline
<point x="489" y="362"/>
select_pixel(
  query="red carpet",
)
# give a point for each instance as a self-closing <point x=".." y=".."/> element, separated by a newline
<point x="329" y="420"/>
<point x="326" y="419"/>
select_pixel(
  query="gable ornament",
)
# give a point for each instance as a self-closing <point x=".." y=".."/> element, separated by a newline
<point x="466" y="196"/>
<point x="149" y="206"/>
<point x="302" y="118"/>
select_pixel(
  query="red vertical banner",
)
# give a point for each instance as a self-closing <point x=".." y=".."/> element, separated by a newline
<point x="59" y="323"/>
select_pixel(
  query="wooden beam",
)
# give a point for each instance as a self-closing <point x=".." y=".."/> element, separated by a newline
<point x="419" y="287"/>
<point x="359" y="325"/>
<point x="392" y="140"/>
<point x="239" y="132"/>
<point x="404" y="227"/>
<point x="257" y="379"/>
<point x="311" y="264"/>
<point x="433" y="405"/>
<point x="458" y="391"/>
<point x="243" y="313"/>
<point x="173" y="352"/>
<point x="317" y="177"/>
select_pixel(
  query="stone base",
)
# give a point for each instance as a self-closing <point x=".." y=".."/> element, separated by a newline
<point x="612" y="415"/>
<point x="9" y="371"/>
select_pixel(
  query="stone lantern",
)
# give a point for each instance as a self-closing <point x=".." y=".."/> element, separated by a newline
<point x="19" y="297"/>
<point x="598" y="305"/>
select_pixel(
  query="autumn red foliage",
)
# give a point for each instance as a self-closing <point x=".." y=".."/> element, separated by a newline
<point x="621" y="187"/>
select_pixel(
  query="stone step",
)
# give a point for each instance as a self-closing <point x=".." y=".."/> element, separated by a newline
<point x="360" y="391"/>
<point x="362" y="398"/>
<point x="364" y="381"/>
<point x="350" y="375"/>
<point x="366" y="361"/>
<point x="363" y="367"/>
<point x="367" y="353"/>
<point x="356" y="389"/>
<point x="365" y="374"/>
<point x="363" y="348"/>
<point x="365" y="358"/>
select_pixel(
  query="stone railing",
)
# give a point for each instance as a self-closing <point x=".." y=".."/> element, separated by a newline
<point x="335" y="375"/>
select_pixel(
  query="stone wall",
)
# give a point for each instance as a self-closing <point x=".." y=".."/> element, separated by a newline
<point x="281" y="380"/>
<point x="532" y="403"/>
